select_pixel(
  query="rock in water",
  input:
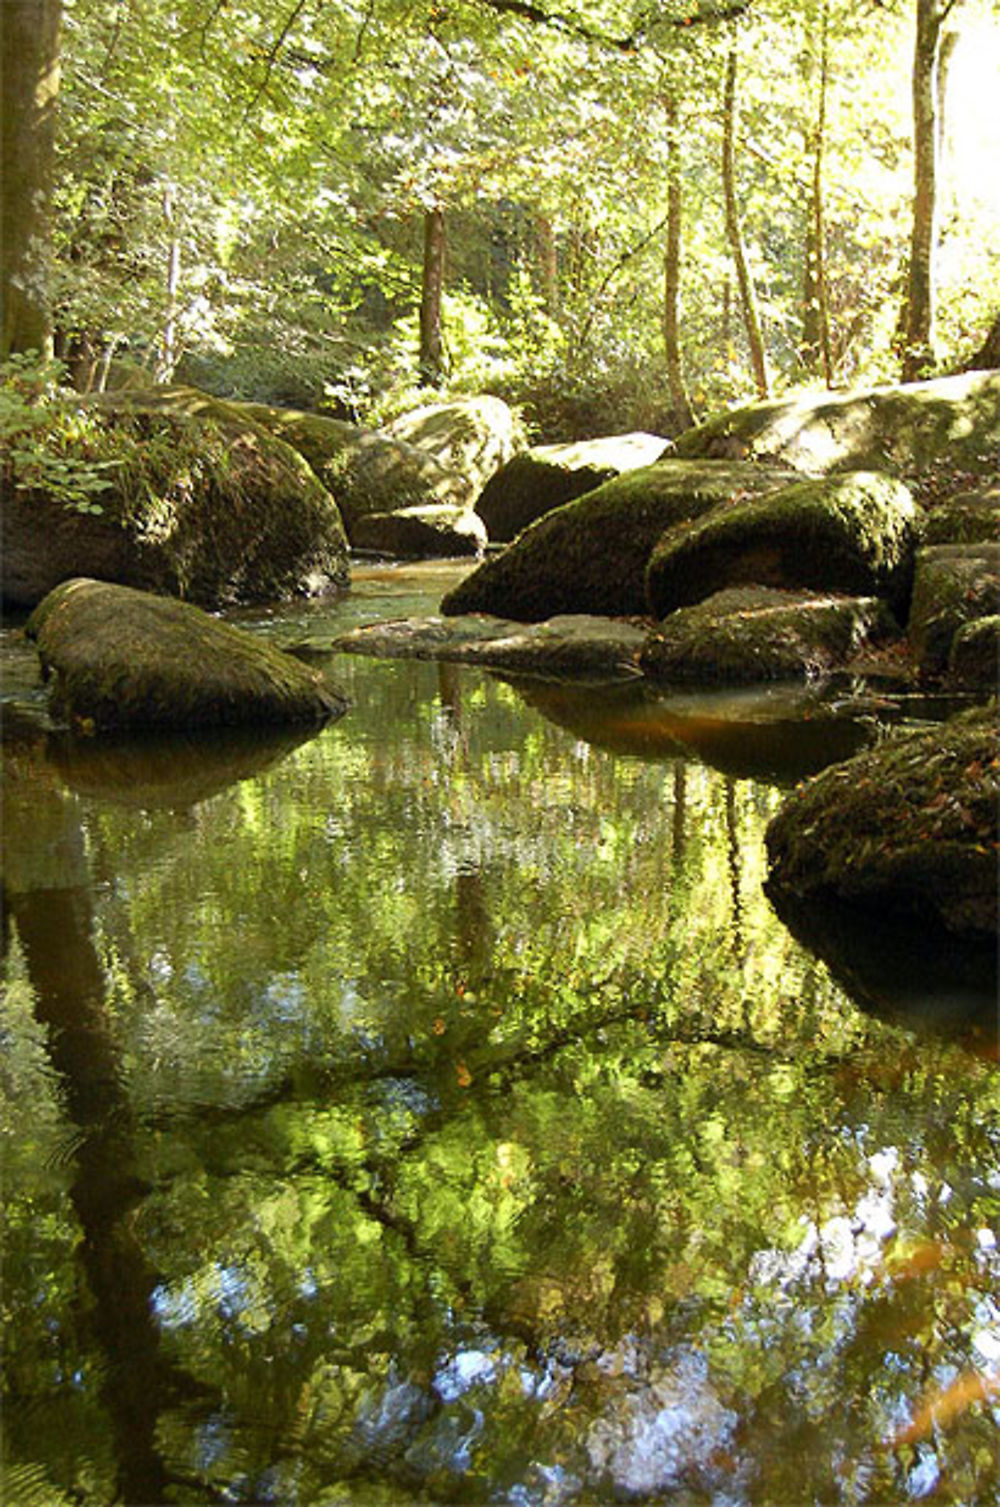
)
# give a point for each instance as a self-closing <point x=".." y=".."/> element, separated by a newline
<point x="908" y="828"/>
<point x="119" y="658"/>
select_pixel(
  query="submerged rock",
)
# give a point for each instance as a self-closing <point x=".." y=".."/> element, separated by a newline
<point x="561" y="646"/>
<point x="590" y="555"/>
<point x="118" y="658"/>
<point x="202" y="504"/>
<point x="903" y="429"/>
<point x="954" y="584"/>
<point x="543" y="478"/>
<point x="908" y="828"/>
<point x="748" y="633"/>
<point x="437" y="532"/>
<point x="855" y="534"/>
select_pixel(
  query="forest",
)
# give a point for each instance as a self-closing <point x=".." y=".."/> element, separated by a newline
<point x="616" y="215"/>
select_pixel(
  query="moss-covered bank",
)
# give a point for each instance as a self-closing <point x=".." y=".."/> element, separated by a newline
<point x="201" y="503"/>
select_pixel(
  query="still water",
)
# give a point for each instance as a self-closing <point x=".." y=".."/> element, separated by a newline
<point x="434" y="1110"/>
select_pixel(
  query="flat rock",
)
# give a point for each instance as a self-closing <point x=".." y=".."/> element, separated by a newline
<point x="854" y="533"/>
<point x="563" y="646"/>
<point x="907" y="828"/>
<point x="750" y="633"/>
<point x="590" y="555"/>
<point x="546" y="476"/>
<point x="123" y="659"/>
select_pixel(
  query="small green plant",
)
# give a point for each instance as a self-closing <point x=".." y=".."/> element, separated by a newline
<point x="48" y="443"/>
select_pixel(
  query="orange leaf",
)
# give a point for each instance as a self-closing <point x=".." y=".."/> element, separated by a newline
<point x="463" y="1075"/>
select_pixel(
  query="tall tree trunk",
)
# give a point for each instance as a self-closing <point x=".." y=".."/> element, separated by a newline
<point x="679" y="400"/>
<point x="169" y="352"/>
<point x="816" y="348"/>
<point x="548" y="265"/>
<point x="431" y="330"/>
<point x="29" y="66"/>
<point x="917" y="314"/>
<point x="748" y="295"/>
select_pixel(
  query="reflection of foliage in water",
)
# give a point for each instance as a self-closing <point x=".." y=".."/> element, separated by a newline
<point x="495" y="1138"/>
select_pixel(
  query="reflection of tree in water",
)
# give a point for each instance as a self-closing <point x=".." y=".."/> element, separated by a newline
<point x="453" y="1260"/>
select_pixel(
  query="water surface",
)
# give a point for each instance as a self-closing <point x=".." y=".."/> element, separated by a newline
<point x="433" y="1109"/>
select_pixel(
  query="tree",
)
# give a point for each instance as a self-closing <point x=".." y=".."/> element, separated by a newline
<point x="918" y="313"/>
<point x="748" y="294"/>
<point x="29" y="65"/>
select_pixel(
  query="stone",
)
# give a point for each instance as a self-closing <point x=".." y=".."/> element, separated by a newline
<point x="203" y="504"/>
<point x="471" y="438"/>
<point x="750" y="633"/>
<point x="902" y="429"/>
<point x="590" y="555"/>
<point x="116" y="658"/>
<point x="907" y="828"/>
<point x="974" y="657"/>
<point x="543" y="478"/>
<point x="954" y="584"/>
<point x="969" y="518"/>
<point x="436" y="532"/>
<point x="854" y="533"/>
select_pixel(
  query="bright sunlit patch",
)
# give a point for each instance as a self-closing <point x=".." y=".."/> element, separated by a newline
<point x="973" y="152"/>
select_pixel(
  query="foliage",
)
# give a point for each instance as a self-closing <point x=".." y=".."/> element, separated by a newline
<point x="47" y="443"/>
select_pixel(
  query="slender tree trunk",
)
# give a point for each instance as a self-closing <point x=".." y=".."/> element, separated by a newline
<point x="29" y="65"/>
<point x="169" y="353"/>
<point x="679" y="400"/>
<point x="816" y="345"/>
<point x="748" y="295"/>
<point x="918" y="312"/>
<point x="431" y="295"/>
<point x="548" y="265"/>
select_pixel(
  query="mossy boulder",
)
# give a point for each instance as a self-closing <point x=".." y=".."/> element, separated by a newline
<point x="904" y="430"/>
<point x="547" y="476"/>
<point x="367" y="470"/>
<point x="750" y="633"/>
<point x="974" y="658"/>
<point x="954" y="584"/>
<point x="201" y="503"/>
<point x="471" y="438"/>
<point x="970" y="518"/>
<point x="908" y="828"/>
<point x="120" y="659"/>
<point x="437" y="532"/>
<point x="590" y="555"/>
<point x="854" y="533"/>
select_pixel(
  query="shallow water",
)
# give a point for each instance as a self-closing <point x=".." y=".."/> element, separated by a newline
<point x="434" y="1109"/>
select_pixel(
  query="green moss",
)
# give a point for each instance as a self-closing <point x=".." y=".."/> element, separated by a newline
<point x="754" y="633"/>
<point x="910" y="826"/>
<point x="971" y="518"/>
<point x="590" y="555"/>
<point x="853" y="533"/>
<point x="954" y="584"/>
<point x="118" y="658"/>
<point x="974" y="658"/>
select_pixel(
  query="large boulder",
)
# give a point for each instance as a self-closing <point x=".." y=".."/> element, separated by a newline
<point x="201" y="503"/>
<point x="436" y="532"/>
<point x="471" y="438"/>
<point x="590" y="556"/>
<point x="547" y="476"/>
<point x="367" y="470"/>
<point x="750" y="633"/>
<point x="854" y="533"/>
<point x="974" y="657"/>
<point x="908" y="828"/>
<point x="123" y="659"/>
<point x="954" y="584"/>
<point x="903" y="429"/>
<point x="969" y="518"/>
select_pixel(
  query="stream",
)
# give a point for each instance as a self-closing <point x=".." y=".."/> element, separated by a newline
<point x="433" y="1109"/>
